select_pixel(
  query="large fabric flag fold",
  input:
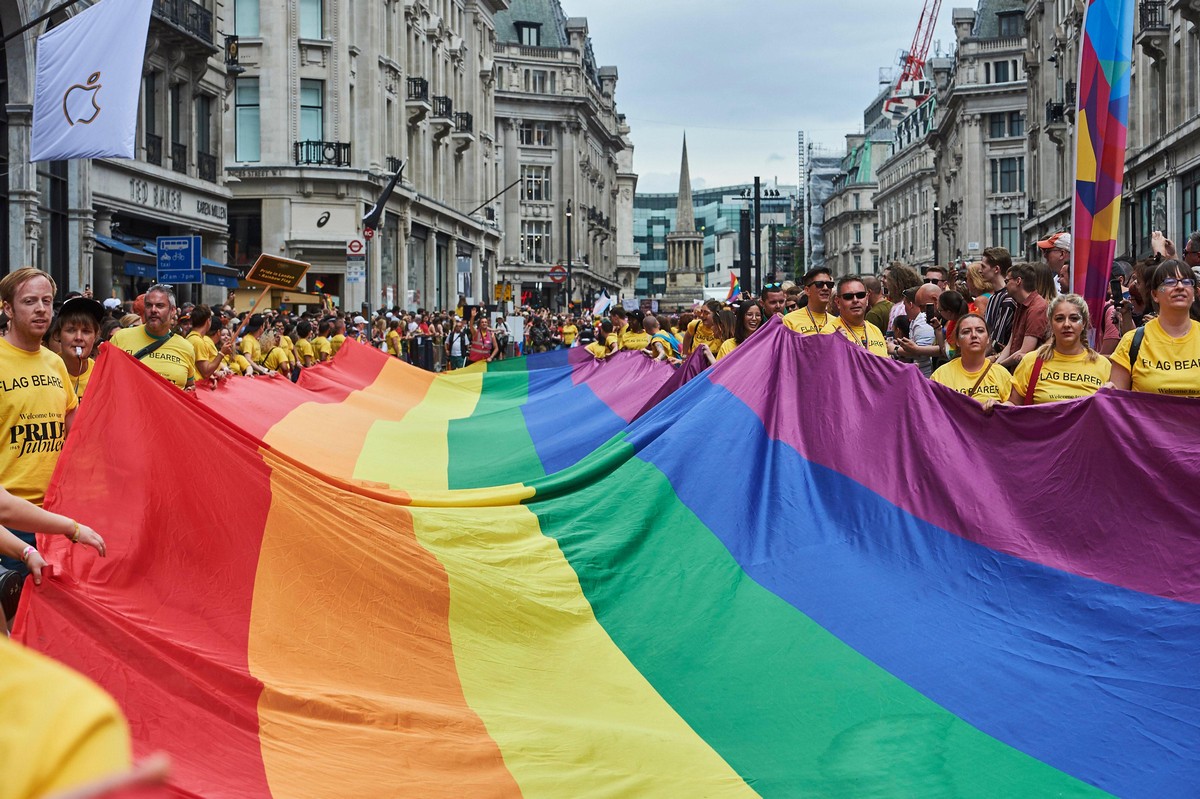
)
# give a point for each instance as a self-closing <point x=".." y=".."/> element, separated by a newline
<point x="1105" y="61"/>
<point x="89" y="73"/>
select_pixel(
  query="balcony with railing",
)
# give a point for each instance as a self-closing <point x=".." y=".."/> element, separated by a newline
<point x="1055" y="112"/>
<point x="179" y="156"/>
<point x="1154" y="28"/>
<point x="185" y="24"/>
<point x="206" y="167"/>
<point x="393" y="164"/>
<point x="418" y="100"/>
<point x="464" y="131"/>
<point x="322" y="153"/>
<point x="443" y="117"/>
<point x="153" y="149"/>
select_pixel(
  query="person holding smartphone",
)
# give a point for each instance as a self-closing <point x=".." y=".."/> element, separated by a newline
<point x="924" y="340"/>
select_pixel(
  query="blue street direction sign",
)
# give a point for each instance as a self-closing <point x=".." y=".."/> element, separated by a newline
<point x="179" y="259"/>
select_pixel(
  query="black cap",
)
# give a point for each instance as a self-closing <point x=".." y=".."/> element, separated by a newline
<point x="83" y="305"/>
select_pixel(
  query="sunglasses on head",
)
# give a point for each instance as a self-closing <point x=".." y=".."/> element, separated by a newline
<point x="772" y="286"/>
<point x="854" y="295"/>
<point x="822" y="284"/>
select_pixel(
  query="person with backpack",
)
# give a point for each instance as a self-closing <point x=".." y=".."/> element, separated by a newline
<point x="1163" y="357"/>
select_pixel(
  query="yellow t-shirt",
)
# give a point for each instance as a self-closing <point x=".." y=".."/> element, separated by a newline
<point x="79" y="384"/>
<point x="393" y="342"/>
<point x="251" y="348"/>
<point x="569" y="332"/>
<point x="289" y="349"/>
<point x="997" y="385"/>
<point x="597" y="349"/>
<point x="204" y="347"/>
<point x="175" y="360"/>
<point x="1063" y="377"/>
<point x="35" y="397"/>
<point x="671" y="351"/>
<point x="1166" y="365"/>
<point x="60" y="730"/>
<point x="612" y="339"/>
<point x="635" y="341"/>
<point x="703" y="334"/>
<point x="727" y="346"/>
<point x="322" y="348"/>
<point x="805" y="322"/>
<point x="239" y="364"/>
<point x="304" y="349"/>
<point x="336" y="343"/>
<point x="875" y="344"/>
<point x="276" y="359"/>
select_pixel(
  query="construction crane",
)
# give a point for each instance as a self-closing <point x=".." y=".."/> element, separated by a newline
<point x="912" y="83"/>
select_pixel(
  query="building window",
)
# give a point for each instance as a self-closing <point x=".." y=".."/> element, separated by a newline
<point x="1191" y="202"/>
<point x="1016" y="123"/>
<point x="536" y="133"/>
<point x="246" y="121"/>
<point x="529" y="33"/>
<point x="997" y="126"/>
<point x="312" y="19"/>
<point x="539" y="81"/>
<point x="312" y="116"/>
<point x="150" y="105"/>
<point x="536" y="182"/>
<point x="52" y="252"/>
<point x="1012" y="24"/>
<point x="204" y="124"/>
<point x="857" y="232"/>
<point x="1006" y="232"/>
<point x="176" y="95"/>
<point x="1000" y="72"/>
<point x="245" y="17"/>
<point x="535" y="241"/>
<point x="1151" y="210"/>
<point x="1008" y="175"/>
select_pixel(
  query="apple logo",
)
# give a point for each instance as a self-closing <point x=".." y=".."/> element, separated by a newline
<point x="77" y="98"/>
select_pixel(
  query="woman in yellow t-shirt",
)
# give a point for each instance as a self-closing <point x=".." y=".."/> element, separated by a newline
<point x="1066" y="367"/>
<point x="701" y="331"/>
<point x="1168" y="347"/>
<point x="635" y="337"/>
<point x="724" y="323"/>
<point x="972" y="373"/>
<point x="749" y="317"/>
<point x="275" y="359"/>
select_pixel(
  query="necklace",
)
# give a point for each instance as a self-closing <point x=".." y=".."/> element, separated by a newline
<point x="854" y="334"/>
<point x="813" y="319"/>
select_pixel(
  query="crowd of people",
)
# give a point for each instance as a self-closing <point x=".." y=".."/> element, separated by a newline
<point x="999" y="332"/>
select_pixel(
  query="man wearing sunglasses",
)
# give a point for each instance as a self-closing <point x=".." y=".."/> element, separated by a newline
<point x="813" y="317"/>
<point x="774" y="298"/>
<point x="852" y="321"/>
<point x="935" y="276"/>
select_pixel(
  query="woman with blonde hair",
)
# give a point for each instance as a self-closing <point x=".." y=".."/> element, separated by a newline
<point x="978" y="287"/>
<point x="1065" y="367"/>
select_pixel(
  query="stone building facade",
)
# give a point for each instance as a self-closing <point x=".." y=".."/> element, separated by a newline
<point x="94" y="222"/>
<point x="334" y="100"/>
<point x="851" y="220"/>
<point x="564" y="159"/>
<point x="906" y="198"/>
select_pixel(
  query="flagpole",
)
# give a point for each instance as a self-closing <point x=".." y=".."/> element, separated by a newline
<point x="38" y="21"/>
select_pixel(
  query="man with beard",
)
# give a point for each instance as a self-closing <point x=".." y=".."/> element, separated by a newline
<point x="851" y="302"/>
<point x="155" y="345"/>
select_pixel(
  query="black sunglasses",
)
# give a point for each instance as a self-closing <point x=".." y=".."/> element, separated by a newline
<point x="931" y="280"/>
<point x="822" y="284"/>
<point x="854" y="295"/>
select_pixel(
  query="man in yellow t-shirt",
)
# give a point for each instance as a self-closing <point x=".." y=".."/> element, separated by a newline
<point x="248" y="345"/>
<point x="570" y="331"/>
<point x="393" y="338"/>
<point x="304" y="349"/>
<point x="852" y="322"/>
<point x="173" y="358"/>
<point x="813" y="317"/>
<point x="321" y="346"/>
<point x="210" y="360"/>
<point x="338" y="338"/>
<point x="1063" y="377"/>
<point x="1165" y="364"/>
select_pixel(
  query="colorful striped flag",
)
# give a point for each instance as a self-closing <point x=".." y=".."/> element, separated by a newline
<point x="548" y="615"/>
<point x="1102" y="127"/>
<point x="735" y="288"/>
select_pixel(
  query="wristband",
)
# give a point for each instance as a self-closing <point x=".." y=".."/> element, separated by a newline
<point x="25" y="553"/>
<point x="75" y="538"/>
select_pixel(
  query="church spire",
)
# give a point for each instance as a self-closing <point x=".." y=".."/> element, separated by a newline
<point x="685" y="218"/>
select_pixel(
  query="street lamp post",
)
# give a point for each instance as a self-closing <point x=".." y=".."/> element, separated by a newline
<point x="569" y="290"/>
<point x="936" y="210"/>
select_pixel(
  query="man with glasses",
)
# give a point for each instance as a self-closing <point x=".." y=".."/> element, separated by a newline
<point x="1031" y="326"/>
<point x="813" y="317"/>
<point x="774" y="298"/>
<point x="154" y="344"/>
<point x="851" y="323"/>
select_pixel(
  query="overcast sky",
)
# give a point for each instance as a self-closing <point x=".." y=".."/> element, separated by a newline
<point x="743" y="76"/>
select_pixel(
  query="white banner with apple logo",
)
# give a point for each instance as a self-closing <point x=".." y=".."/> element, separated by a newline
<point x="89" y="74"/>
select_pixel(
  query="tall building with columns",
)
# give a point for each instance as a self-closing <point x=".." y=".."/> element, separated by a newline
<point x="565" y="161"/>
<point x="334" y="97"/>
<point x="685" y="248"/>
<point x="93" y="223"/>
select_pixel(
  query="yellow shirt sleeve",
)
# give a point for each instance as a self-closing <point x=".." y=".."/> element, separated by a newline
<point x="727" y="346"/>
<point x="60" y="730"/>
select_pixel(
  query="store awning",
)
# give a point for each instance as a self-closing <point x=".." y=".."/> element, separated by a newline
<point x="121" y="248"/>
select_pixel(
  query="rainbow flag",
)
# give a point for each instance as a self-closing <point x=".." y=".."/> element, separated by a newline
<point x="1102" y="127"/>
<point x="735" y="288"/>
<point x="843" y="603"/>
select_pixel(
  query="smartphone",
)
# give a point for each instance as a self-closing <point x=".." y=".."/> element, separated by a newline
<point x="930" y="313"/>
<point x="1116" y="290"/>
